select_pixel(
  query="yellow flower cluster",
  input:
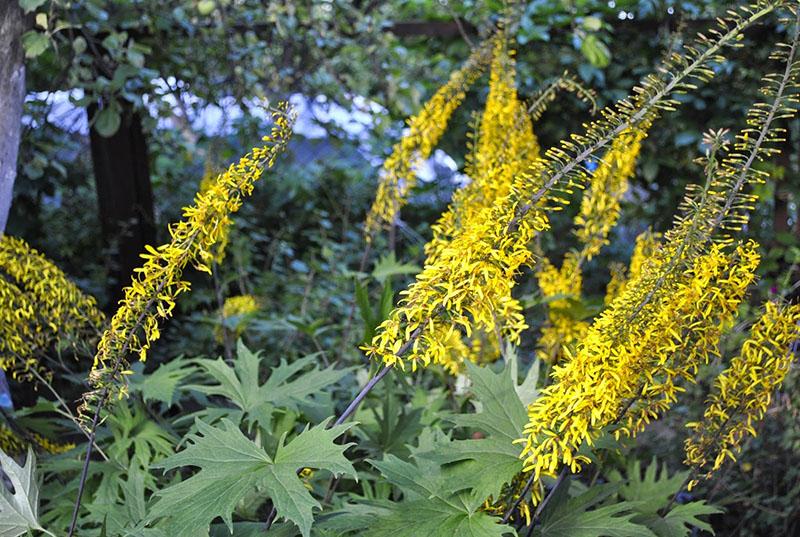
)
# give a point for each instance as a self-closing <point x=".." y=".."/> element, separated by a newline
<point x="20" y="332"/>
<point x="465" y="288"/>
<point x="504" y="146"/>
<point x="743" y="392"/>
<point x="156" y="285"/>
<point x="424" y="131"/>
<point x="13" y="444"/>
<point x="718" y="286"/>
<point x="620" y="360"/>
<point x="645" y="248"/>
<point x="207" y="182"/>
<point x="600" y="204"/>
<point x="39" y="306"/>
<point x="238" y="307"/>
<point x="561" y="286"/>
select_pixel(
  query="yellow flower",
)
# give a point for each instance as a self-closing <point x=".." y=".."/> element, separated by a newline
<point x="39" y="307"/>
<point x="621" y="360"/>
<point x="504" y="145"/>
<point x="238" y="309"/>
<point x="156" y="285"/>
<point x="562" y="331"/>
<point x="600" y="204"/>
<point x="424" y="131"/>
<point x="206" y="183"/>
<point x="743" y="392"/>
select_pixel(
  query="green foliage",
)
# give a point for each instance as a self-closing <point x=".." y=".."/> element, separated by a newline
<point x="285" y="388"/>
<point x="574" y="517"/>
<point x="231" y="466"/>
<point x="19" y="510"/>
<point x="487" y="463"/>
<point x="433" y="505"/>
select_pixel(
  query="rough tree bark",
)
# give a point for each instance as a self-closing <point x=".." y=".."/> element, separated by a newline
<point x="124" y="195"/>
<point x="12" y="95"/>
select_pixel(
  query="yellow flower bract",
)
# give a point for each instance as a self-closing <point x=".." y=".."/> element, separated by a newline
<point x="39" y="306"/>
<point x="743" y="392"/>
<point x="156" y="285"/>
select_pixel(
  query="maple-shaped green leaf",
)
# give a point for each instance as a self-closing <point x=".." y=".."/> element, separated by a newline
<point x="160" y="385"/>
<point x="431" y="509"/>
<point x="388" y="266"/>
<point x="485" y="464"/>
<point x="233" y="466"/>
<point x="19" y="511"/>
<point x="287" y="387"/>
<point x="682" y="518"/>
<point x="579" y="516"/>
<point x="652" y="490"/>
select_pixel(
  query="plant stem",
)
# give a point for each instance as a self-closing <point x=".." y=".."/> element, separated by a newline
<point x="540" y="508"/>
<point x="69" y="413"/>
<point x="351" y="408"/>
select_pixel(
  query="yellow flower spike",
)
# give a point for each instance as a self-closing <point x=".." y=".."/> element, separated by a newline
<point x="600" y="205"/>
<point x="472" y="279"/>
<point x="156" y="285"/>
<point x="616" y="363"/>
<point x="742" y="393"/>
<point x="39" y="306"/>
<point x="424" y="131"/>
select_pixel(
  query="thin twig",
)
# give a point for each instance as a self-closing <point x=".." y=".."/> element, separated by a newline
<point x="540" y="508"/>
<point x="69" y="413"/>
<point x="513" y="507"/>
<point x="101" y="402"/>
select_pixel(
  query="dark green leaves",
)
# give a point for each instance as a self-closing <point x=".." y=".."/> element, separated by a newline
<point x="651" y="493"/>
<point x="233" y="466"/>
<point x="486" y="463"/>
<point x="575" y="517"/>
<point x="431" y="508"/>
<point x="288" y="385"/>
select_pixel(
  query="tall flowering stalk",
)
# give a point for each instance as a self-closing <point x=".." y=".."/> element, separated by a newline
<point x="608" y="368"/>
<point x="468" y="286"/>
<point x="743" y="392"/>
<point x="599" y="212"/>
<point x="39" y="306"/>
<point x="398" y="174"/>
<point x="156" y="285"/>
<point x="503" y="146"/>
<point x="668" y="320"/>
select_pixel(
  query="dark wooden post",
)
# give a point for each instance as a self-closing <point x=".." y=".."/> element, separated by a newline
<point x="124" y="195"/>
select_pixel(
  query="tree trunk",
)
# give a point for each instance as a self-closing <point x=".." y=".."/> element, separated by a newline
<point x="124" y="196"/>
<point x="12" y="95"/>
